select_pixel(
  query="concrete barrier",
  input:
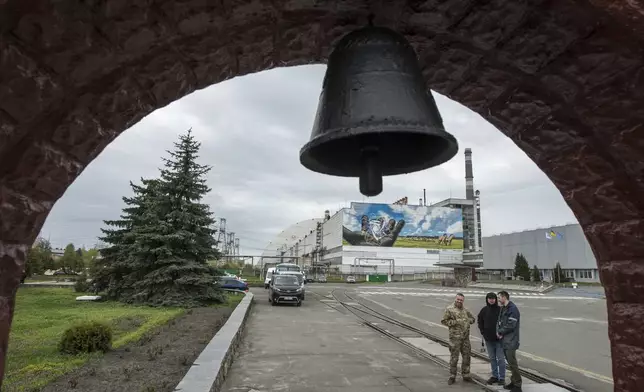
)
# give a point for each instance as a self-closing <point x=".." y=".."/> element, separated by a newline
<point x="208" y="372"/>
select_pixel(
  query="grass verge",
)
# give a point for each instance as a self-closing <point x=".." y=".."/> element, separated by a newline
<point x="43" y="314"/>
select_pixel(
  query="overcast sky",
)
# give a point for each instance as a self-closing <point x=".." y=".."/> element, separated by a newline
<point x="252" y="129"/>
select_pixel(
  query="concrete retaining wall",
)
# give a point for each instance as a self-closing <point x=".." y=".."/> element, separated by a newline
<point x="208" y="372"/>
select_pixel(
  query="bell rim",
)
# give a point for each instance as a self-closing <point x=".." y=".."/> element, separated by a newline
<point x="337" y="134"/>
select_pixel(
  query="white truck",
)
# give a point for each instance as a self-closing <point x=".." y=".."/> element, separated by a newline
<point x="269" y="276"/>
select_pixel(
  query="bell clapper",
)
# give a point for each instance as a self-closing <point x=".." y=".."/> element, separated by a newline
<point x="371" y="177"/>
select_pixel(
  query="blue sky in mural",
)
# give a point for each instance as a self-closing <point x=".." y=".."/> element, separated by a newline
<point x="419" y="220"/>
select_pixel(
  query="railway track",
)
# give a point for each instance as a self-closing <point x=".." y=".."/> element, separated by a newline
<point x="365" y="312"/>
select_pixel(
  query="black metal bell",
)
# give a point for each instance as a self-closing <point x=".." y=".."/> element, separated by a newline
<point x="375" y="116"/>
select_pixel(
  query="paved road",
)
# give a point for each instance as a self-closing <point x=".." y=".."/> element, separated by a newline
<point x="316" y="348"/>
<point x="563" y="334"/>
<point x="591" y="292"/>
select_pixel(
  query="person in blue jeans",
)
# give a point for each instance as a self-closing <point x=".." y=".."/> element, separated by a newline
<point x="487" y="321"/>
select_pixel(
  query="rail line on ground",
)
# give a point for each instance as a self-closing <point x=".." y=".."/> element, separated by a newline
<point x="363" y="311"/>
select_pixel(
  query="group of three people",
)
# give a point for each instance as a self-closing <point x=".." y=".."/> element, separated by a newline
<point x="499" y="327"/>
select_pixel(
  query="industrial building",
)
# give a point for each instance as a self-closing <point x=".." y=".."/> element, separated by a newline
<point x="321" y="243"/>
<point x="441" y="236"/>
<point x="566" y="245"/>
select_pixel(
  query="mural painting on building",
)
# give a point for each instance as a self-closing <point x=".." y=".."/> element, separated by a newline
<point x="402" y="226"/>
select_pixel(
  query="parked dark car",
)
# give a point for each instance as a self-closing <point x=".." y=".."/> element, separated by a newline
<point x="300" y="279"/>
<point x="232" y="283"/>
<point x="285" y="289"/>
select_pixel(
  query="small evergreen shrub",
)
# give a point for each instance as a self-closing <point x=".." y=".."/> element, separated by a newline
<point x="81" y="285"/>
<point x="86" y="338"/>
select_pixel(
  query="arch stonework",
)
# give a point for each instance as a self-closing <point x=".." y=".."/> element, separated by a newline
<point x="563" y="79"/>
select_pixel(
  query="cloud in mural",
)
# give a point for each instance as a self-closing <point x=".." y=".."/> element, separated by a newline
<point x="351" y="219"/>
<point x="454" y="228"/>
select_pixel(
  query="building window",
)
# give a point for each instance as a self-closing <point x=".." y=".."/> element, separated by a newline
<point x="569" y="273"/>
<point x="586" y="274"/>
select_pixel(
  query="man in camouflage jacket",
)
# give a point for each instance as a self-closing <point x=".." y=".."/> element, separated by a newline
<point x="458" y="319"/>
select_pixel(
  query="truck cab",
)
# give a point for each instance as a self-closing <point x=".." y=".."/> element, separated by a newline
<point x="268" y="277"/>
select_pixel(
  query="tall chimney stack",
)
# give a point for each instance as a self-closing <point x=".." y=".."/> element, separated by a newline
<point x="469" y="175"/>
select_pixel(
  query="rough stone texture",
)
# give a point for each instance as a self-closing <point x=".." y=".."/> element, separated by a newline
<point x="564" y="79"/>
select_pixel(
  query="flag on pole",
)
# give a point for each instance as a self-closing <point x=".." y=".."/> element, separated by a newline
<point x="551" y="235"/>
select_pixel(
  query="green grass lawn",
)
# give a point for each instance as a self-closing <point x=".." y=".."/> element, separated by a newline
<point x="404" y="242"/>
<point x="43" y="314"/>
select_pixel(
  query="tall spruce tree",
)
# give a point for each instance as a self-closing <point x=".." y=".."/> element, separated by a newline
<point x="175" y="236"/>
<point x="536" y="274"/>
<point x="558" y="274"/>
<point x="521" y="267"/>
<point x="114" y="273"/>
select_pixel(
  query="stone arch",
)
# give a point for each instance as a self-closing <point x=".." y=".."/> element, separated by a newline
<point x="563" y="79"/>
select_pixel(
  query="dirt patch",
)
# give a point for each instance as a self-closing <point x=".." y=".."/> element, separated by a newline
<point x="154" y="364"/>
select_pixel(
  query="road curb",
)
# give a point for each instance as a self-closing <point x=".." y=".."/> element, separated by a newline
<point x="549" y="289"/>
<point x="208" y="372"/>
<point x="512" y="288"/>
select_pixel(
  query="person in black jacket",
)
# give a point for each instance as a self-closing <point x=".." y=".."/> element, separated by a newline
<point x="487" y="321"/>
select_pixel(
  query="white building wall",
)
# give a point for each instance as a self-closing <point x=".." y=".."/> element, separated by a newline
<point x="405" y="260"/>
<point x="571" y="251"/>
<point x="409" y="257"/>
<point x="332" y="231"/>
<point x="307" y="244"/>
<point x="331" y="239"/>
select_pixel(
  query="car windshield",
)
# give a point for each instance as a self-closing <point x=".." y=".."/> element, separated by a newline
<point x="285" y="280"/>
<point x="299" y="277"/>
<point x="288" y="268"/>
